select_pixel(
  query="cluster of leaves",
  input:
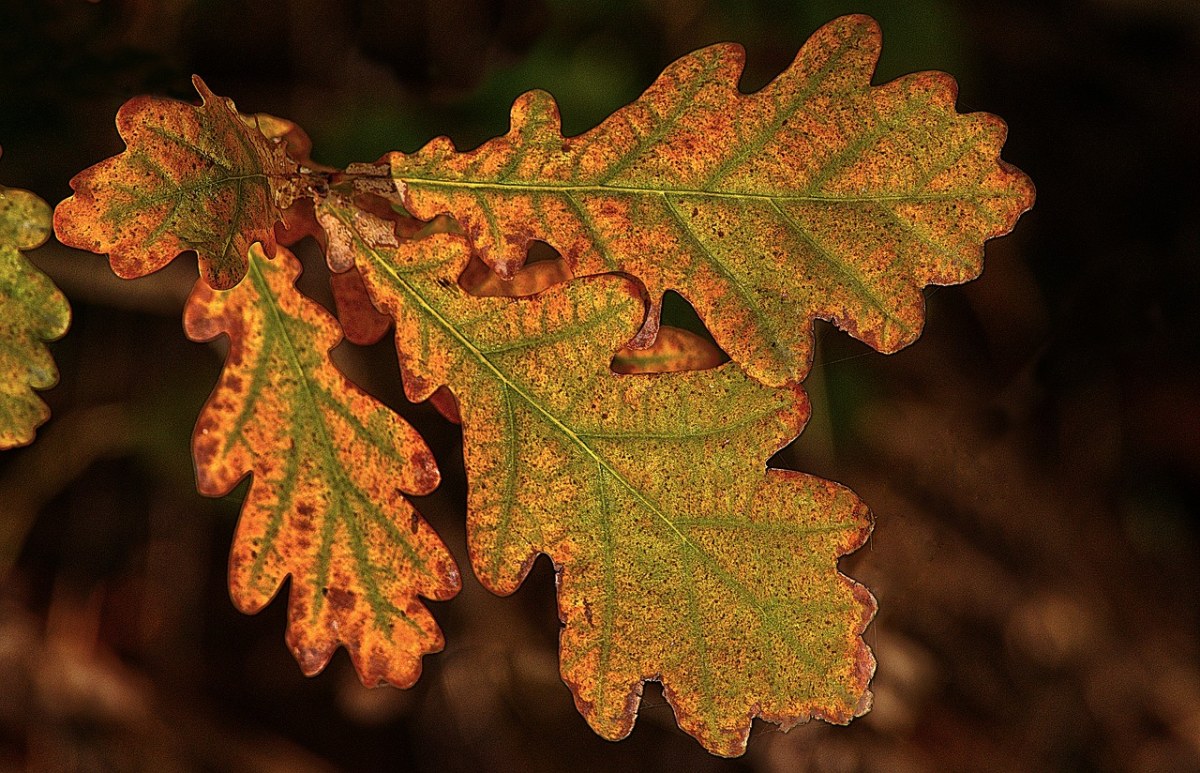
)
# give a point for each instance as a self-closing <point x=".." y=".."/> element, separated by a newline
<point x="633" y="456"/>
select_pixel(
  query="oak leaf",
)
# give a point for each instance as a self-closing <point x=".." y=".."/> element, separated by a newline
<point x="680" y="557"/>
<point x="330" y="468"/>
<point x="32" y="311"/>
<point x="818" y="196"/>
<point x="191" y="178"/>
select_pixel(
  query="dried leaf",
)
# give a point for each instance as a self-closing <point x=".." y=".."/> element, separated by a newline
<point x="32" y="311"/>
<point x="819" y="196"/>
<point x="680" y="557"/>
<point x="330" y="466"/>
<point x="191" y="178"/>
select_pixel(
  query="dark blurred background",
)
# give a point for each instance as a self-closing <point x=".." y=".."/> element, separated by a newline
<point x="1033" y="462"/>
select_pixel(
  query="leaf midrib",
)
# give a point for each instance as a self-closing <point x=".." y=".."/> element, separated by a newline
<point x="380" y="604"/>
<point x="817" y="198"/>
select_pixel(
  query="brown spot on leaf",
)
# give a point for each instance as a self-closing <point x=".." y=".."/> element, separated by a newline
<point x="340" y="600"/>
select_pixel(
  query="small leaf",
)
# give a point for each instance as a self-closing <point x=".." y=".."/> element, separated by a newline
<point x="444" y="401"/>
<point x="192" y="178"/>
<point x="680" y="557"/>
<point x="330" y="469"/>
<point x="32" y="310"/>
<point x="819" y="196"/>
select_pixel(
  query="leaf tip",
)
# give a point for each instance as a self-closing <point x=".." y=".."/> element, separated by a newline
<point x="202" y="88"/>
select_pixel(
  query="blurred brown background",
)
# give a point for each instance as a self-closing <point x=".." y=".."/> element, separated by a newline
<point x="1033" y="461"/>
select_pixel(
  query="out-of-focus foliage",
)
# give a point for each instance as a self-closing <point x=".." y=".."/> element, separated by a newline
<point x="32" y="312"/>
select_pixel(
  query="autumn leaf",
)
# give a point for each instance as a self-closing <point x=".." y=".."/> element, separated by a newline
<point x="673" y="349"/>
<point x="191" y="178"/>
<point x="330" y="468"/>
<point x="680" y="557"/>
<point x="818" y="196"/>
<point x="32" y="311"/>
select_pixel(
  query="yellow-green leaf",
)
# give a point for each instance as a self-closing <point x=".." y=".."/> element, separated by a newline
<point x="32" y="311"/>
<point x="330" y="466"/>
<point x="191" y="178"/>
<point x="818" y="196"/>
<point x="680" y="556"/>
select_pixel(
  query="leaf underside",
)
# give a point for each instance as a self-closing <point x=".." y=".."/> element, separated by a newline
<point x="330" y="468"/>
<point x="191" y="178"/>
<point x="680" y="557"/>
<point x="32" y="311"/>
<point x="819" y="196"/>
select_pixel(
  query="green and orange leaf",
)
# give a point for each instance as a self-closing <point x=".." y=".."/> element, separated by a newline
<point x="818" y="196"/>
<point x="680" y="556"/>
<point x="32" y="312"/>
<point x="191" y="178"/>
<point x="331" y="467"/>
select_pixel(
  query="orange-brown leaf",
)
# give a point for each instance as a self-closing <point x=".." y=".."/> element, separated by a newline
<point x="191" y="178"/>
<point x="296" y="142"/>
<point x="818" y="196"/>
<point x="330" y="467"/>
<point x="680" y="557"/>
<point x="444" y="401"/>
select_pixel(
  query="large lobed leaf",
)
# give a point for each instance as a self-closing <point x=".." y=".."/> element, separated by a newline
<point x="680" y="557"/>
<point x="191" y="178"/>
<point x="330" y="469"/>
<point x="819" y="196"/>
<point x="32" y="311"/>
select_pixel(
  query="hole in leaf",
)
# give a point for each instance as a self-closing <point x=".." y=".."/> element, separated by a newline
<point x="683" y="343"/>
<point x="540" y="252"/>
<point x="677" y="312"/>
